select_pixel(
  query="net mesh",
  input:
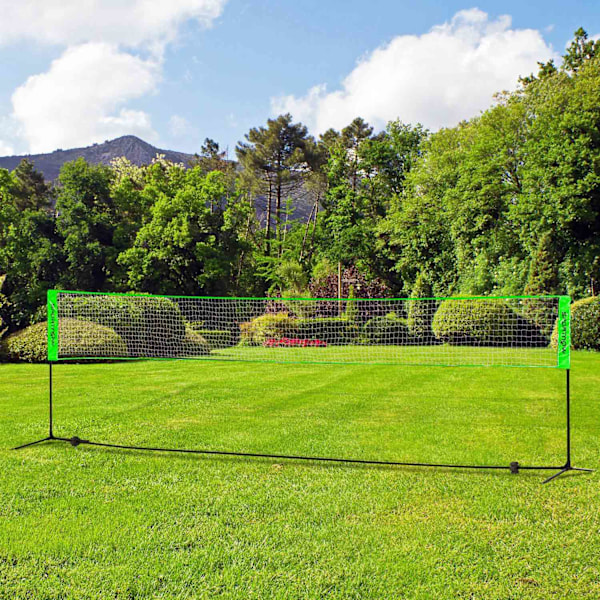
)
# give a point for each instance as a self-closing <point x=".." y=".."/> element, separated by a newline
<point x="513" y="332"/>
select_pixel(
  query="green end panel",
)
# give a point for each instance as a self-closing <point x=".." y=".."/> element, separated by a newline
<point x="564" y="332"/>
<point x="52" y="326"/>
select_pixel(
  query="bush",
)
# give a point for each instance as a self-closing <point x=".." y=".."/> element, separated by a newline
<point x="337" y="331"/>
<point x="86" y="339"/>
<point x="478" y="321"/>
<point x="420" y="312"/>
<point x="389" y="330"/>
<point x="193" y="344"/>
<point x="333" y="330"/>
<point x="148" y="324"/>
<point x="260" y="329"/>
<point x="585" y="325"/>
<point x="216" y="338"/>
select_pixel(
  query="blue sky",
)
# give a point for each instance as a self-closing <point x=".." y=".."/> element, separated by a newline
<point x="177" y="72"/>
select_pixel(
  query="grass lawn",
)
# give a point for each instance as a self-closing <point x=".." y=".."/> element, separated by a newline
<point x="89" y="522"/>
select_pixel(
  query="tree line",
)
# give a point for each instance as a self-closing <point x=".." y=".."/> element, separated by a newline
<point x="507" y="202"/>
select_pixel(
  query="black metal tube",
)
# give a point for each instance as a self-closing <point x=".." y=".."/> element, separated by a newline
<point x="568" y="463"/>
<point x="51" y="433"/>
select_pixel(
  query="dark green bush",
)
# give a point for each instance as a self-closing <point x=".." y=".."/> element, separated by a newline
<point x="389" y="330"/>
<point x="479" y="321"/>
<point x="333" y="330"/>
<point x="85" y="339"/>
<point x="149" y="325"/>
<point x="193" y="344"/>
<point x="420" y="312"/>
<point x="585" y="325"/>
<point x="260" y="329"/>
<point x="216" y="338"/>
<point x="338" y="331"/>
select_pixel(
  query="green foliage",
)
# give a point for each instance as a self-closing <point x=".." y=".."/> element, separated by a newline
<point x="31" y="344"/>
<point x="193" y="344"/>
<point x="336" y="331"/>
<point x="473" y="321"/>
<point x="186" y="246"/>
<point x="543" y="280"/>
<point x="585" y="325"/>
<point x="215" y="338"/>
<point x="333" y="330"/>
<point x="260" y="329"/>
<point x="144" y="323"/>
<point x="388" y="330"/>
<point x="420" y="314"/>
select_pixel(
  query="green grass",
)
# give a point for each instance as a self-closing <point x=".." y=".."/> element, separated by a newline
<point x="89" y="522"/>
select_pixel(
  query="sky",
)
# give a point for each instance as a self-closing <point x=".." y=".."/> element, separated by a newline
<point x="77" y="72"/>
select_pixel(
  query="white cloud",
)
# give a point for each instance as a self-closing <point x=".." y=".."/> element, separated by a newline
<point x="127" y="22"/>
<point x="178" y="126"/>
<point x="79" y="100"/>
<point x="438" y="78"/>
<point x="114" y="53"/>
<point x="6" y="149"/>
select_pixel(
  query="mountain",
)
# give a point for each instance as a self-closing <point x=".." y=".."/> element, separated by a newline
<point x="129" y="146"/>
<point x="138" y="152"/>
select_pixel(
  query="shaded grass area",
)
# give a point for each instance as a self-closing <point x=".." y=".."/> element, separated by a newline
<point x="88" y="522"/>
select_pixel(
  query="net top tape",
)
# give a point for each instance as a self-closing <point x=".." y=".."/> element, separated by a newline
<point x="482" y="331"/>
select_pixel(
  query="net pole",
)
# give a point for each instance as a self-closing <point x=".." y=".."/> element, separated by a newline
<point x="51" y="432"/>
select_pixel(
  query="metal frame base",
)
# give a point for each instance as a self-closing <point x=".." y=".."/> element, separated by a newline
<point x="565" y="469"/>
<point x="514" y="467"/>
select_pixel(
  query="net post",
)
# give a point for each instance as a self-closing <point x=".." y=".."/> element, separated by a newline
<point x="52" y="325"/>
<point x="564" y="332"/>
<point x="52" y="351"/>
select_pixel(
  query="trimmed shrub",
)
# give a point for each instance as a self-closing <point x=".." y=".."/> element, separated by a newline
<point x="31" y="344"/>
<point x="420" y="312"/>
<point x="388" y="331"/>
<point x="474" y="321"/>
<point x="216" y="338"/>
<point x="585" y="325"/>
<point x="260" y="329"/>
<point x="193" y="344"/>
<point x="157" y="323"/>
<point x="337" y="331"/>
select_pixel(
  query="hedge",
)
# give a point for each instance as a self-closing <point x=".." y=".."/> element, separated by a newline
<point x="216" y="338"/>
<point x="156" y="322"/>
<point x="585" y="325"/>
<point x="193" y="344"/>
<point x="260" y="329"/>
<point x="388" y="330"/>
<point x="474" y="321"/>
<point x="337" y="331"/>
<point x="31" y="344"/>
<point x="333" y="330"/>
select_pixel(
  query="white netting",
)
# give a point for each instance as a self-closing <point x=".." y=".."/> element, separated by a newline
<point x="450" y="332"/>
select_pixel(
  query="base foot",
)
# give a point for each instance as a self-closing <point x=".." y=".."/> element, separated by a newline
<point x="46" y="439"/>
<point x="565" y="469"/>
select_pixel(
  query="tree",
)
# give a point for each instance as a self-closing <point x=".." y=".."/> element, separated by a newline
<point x="185" y="248"/>
<point x="274" y="162"/>
<point x="86" y="217"/>
<point x="30" y="190"/>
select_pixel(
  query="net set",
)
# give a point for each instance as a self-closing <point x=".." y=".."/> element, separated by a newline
<point x="510" y="331"/>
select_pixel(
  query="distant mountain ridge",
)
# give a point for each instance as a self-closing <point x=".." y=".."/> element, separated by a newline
<point x="131" y="147"/>
<point x="139" y="153"/>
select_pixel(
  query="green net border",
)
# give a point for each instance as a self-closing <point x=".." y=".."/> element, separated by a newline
<point x="564" y="325"/>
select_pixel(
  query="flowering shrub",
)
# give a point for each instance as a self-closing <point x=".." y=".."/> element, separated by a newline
<point x="293" y="343"/>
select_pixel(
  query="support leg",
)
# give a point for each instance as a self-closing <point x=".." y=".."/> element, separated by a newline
<point x="46" y="439"/>
<point x="565" y="470"/>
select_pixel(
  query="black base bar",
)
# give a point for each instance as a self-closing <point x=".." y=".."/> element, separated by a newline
<point x="513" y="467"/>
